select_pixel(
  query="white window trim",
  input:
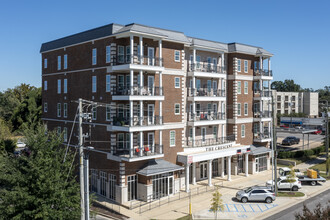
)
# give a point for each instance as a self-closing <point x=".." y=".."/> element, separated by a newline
<point x="65" y="110"/>
<point x="65" y="61"/>
<point x="175" y="78"/>
<point x="108" y="54"/>
<point x="65" y="86"/>
<point x="239" y="65"/>
<point x="175" y="56"/>
<point x="239" y="109"/>
<point x="45" y="63"/>
<point x="246" y="64"/>
<point x="172" y="145"/>
<point x="94" y="49"/>
<point x="107" y="83"/>
<point x="239" y="87"/>
<point x="246" y="87"/>
<point x="242" y="126"/>
<point x="175" y="109"/>
<point x="247" y="108"/>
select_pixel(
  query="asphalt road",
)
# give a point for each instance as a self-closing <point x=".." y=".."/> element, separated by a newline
<point x="314" y="140"/>
<point x="288" y="214"/>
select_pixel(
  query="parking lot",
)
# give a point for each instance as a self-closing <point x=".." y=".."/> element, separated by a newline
<point x="314" y="140"/>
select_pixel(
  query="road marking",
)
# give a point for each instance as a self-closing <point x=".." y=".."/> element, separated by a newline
<point x="260" y="208"/>
<point x="228" y="208"/>
<point x="235" y="207"/>
<point x="243" y="208"/>
<point x="252" y="208"/>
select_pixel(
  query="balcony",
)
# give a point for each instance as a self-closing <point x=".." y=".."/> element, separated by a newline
<point x="138" y="121"/>
<point x="206" y="70"/>
<point x="262" y="137"/>
<point x="206" y="118"/>
<point x="138" y="93"/>
<point x="210" y="141"/>
<point x="262" y="116"/>
<point x="263" y="74"/>
<point x="123" y="62"/>
<point x="262" y="94"/>
<point x="206" y="94"/>
<point x="148" y="151"/>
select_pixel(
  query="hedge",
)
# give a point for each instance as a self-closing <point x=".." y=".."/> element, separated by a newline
<point x="301" y="153"/>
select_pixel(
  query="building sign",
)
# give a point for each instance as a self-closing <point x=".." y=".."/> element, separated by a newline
<point x="220" y="147"/>
<point x="190" y="159"/>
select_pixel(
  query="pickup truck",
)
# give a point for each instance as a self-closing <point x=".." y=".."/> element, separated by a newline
<point x="284" y="171"/>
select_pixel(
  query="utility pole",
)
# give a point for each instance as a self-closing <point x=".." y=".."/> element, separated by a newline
<point x="327" y="132"/>
<point x="86" y="181"/>
<point x="81" y="161"/>
<point x="274" y="147"/>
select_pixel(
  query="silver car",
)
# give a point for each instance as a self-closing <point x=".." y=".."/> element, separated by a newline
<point x="256" y="193"/>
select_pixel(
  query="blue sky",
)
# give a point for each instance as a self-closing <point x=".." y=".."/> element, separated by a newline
<point x="296" y="31"/>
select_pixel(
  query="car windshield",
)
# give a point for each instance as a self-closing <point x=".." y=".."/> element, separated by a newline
<point x="248" y="190"/>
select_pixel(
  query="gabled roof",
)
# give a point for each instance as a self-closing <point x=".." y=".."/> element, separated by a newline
<point x="247" y="49"/>
<point x="259" y="150"/>
<point x="138" y="28"/>
<point x="196" y="42"/>
<point x="159" y="166"/>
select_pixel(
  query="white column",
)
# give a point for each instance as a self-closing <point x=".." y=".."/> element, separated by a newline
<point x="141" y="80"/>
<point x="161" y="82"/>
<point x="223" y="61"/>
<point x="261" y="64"/>
<point x="260" y="85"/>
<point x="246" y="164"/>
<point x="160" y="52"/>
<point x="141" y="143"/>
<point x="229" y="168"/>
<point x="222" y="167"/>
<point x="269" y="85"/>
<point x="269" y="65"/>
<point x="132" y="48"/>
<point x="141" y="50"/>
<point x="131" y="113"/>
<point x="210" y="172"/>
<point x="131" y="83"/>
<point x="260" y="106"/>
<point x="193" y="136"/>
<point x="194" y="173"/>
<point x="223" y="132"/>
<point x="187" y="177"/>
<point x="194" y="85"/>
<point x="160" y="141"/>
<point x="131" y="144"/>
<point x="141" y="113"/>
<point x="194" y="58"/>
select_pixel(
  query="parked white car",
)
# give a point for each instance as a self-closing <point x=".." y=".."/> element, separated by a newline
<point x="20" y="144"/>
<point x="282" y="183"/>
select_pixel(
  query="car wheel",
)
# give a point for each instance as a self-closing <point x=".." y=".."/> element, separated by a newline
<point x="313" y="183"/>
<point x="269" y="200"/>
<point x="244" y="200"/>
<point x="295" y="188"/>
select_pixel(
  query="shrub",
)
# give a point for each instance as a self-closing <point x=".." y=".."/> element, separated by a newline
<point x="308" y="153"/>
<point x="299" y="154"/>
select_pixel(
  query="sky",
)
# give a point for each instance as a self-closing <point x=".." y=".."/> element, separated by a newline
<point x="297" y="32"/>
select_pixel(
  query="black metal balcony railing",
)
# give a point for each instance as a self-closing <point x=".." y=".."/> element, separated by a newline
<point x="138" y="90"/>
<point x="210" y="141"/>
<point x="261" y="136"/>
<point x="201" y="116"/>
<point x="263" y="114"/>
<point x="123" y="149"/>
<point x="206" y="67"/>
<point x="146" y="60"/>
<point x="263" y="93"/>
<point x="138" y="121"/>
<point x="263" y="72"/>
<point x="207" y="92"/>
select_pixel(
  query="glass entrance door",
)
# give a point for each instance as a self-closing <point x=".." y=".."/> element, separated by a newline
<point x="240" y="163"/>
<point x="203" y="170"/>
<point x="151" y="113"/>
<point x="215" y="168"/>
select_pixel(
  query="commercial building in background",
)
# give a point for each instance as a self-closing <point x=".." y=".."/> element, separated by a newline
<point x="170" y="110"/>
<point x="297" y="102"/>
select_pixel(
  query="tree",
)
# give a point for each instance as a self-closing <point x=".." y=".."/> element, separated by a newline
<point x="291" y="177"/>
<point x="317" y="214"/>
<point x="216" y="204"/>
<point x="41" y="185"/>
<point x="287" y="86"/>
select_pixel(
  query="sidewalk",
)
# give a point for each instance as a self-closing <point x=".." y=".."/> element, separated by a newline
<point x="310" y="163"/>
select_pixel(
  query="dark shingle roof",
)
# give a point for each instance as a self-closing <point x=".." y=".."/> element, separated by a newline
<point x="159" y="166"/>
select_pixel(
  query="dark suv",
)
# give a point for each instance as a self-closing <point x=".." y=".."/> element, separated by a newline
<point x="290" y="140"/>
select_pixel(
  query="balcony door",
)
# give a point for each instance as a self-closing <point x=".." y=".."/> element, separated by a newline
<point x="151" y="56"/>
<point x="151" y="140"/>
<point x="215" y="88"/>
<point x="121" y="54"/>
<point x="151" y="84"/>
<point x="203" y="134"/>
<point x="151" y="114"/>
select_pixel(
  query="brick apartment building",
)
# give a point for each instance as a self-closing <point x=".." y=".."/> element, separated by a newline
<point x="171" y="109"/>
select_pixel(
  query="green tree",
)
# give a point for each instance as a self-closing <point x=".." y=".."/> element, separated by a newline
<point x="287" y="86"/>
<point x="39" y="185"/>
<point x="217" y="204"/>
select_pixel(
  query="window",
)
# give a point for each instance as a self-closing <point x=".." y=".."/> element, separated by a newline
<point x="172" y="138"/>
<point x="45" y="63"/>
<point x="238" y="65"/>
<point x="107" y="84"/>
<point x="203" y="134"/>
<point x="256" y="128"/>
<point x="215" y="132"/>
<point x="65" y="110"/>
<point x="107" y="54"/>
<point x="59" y="131"/>
<point x="245" y="108"/>
<point x="278" y="98"/>
<point x="94" y="84"/>
<point x="198" y="61"/>
<point x="246" y="84"/>
<point x="59" y="63"/>
<point x="65" y="134"/>
<point x="239" y="87"/>
<point x="45" y="107"/>
<point x="239" y="109"/>
<point x="103" y="183"/>
<point x="94" y="112"/>
<point x="94" y="58"/>
<point x="190" y="133"/>
<point x="245" y="66"/>
<point x="256" y="65"/>
<point x="242" y="131"/>
<point x="177" y="108"/>
<point x="58" y="86"/>
<point x="120" y="54"/>
<point x="177" y="82"/>
<point x="58" y="109"/>
<point x="177" y="56"/>
<point x="108" y="112"/>
<point x="65" y="61"/>
<point x="45" y="85"/>
<point x="65" y="86"/>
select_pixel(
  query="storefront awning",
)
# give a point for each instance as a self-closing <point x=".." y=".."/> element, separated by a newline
<point x="154" y="167"/>
<point x="259" y="150"/>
